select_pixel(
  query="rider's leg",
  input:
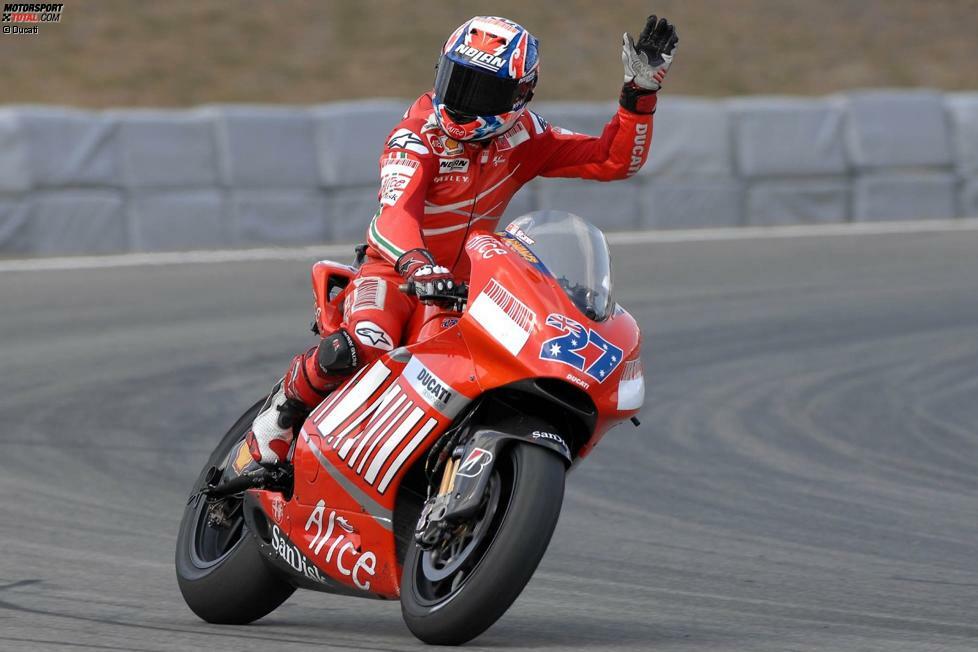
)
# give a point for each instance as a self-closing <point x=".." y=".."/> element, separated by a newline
<point x="304" y="385"/>
<point x="374" y="316"/>
<point x="375" y="311"/>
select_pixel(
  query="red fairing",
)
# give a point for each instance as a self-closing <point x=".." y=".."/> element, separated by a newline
<point x="435" y="190"/>
<point x="355" y="448"/>
<point x="328" y="276"/>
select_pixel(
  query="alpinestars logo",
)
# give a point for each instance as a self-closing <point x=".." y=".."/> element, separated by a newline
<point x="29" y="12"/>
<point x="373" y="335"/>
<point x="406" y="139"/>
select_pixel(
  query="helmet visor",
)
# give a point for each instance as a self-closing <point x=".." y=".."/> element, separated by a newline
<point x="470" y="91"/>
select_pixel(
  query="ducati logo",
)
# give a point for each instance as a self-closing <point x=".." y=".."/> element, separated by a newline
<point x="474" y="462"/>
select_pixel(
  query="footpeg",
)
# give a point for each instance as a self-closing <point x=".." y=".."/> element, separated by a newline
<point x="278" y="477"/>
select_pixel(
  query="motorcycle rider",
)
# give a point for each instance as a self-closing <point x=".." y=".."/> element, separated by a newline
<point x="455" y="160"/>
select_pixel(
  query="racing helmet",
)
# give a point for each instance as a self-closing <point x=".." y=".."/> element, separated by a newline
<point x="485" y="77"/>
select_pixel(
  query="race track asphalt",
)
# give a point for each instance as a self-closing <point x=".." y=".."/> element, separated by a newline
<point x="805" y="476"/>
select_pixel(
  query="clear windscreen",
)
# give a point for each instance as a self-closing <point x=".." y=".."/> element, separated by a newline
<point x="576" y="254"/>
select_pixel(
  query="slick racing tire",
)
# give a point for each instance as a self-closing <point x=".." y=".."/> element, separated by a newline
<point x="447" y="601"/>
<point x="221" y="573"/>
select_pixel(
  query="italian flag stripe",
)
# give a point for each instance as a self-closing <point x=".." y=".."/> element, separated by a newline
<point x="382" y="243"/>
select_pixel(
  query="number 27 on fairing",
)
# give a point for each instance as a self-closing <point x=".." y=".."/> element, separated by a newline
<point x="580" y="348"/>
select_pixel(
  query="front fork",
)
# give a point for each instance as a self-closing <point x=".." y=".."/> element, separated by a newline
<point x="465" y="477"/>
<point x="432" y="525"/>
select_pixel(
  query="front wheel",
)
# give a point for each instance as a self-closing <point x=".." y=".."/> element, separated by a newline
<point x="453" y="593"/>
<point x="221" y="573"/>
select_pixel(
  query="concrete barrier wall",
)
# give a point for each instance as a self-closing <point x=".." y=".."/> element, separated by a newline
<point x="75" y="182"/>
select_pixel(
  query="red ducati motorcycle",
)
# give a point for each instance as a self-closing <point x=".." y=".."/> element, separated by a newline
<point x="436" y="474"/>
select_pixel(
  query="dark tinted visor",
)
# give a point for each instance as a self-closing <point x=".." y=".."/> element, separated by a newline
<point x="470" y="91"/>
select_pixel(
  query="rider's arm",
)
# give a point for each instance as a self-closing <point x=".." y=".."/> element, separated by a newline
<point x="617" y="154"/>
<point x="623" y="147"/>
<point x="406" y="168"/>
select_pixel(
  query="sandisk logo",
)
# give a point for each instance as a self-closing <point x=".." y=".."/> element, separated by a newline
<point x="638" y="147"/>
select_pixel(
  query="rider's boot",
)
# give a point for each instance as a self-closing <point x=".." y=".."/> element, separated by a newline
<point x="272" y="431"/>
<point x="311" y="377"/>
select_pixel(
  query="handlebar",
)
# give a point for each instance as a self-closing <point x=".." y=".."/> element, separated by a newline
<point x="458" y="295"/>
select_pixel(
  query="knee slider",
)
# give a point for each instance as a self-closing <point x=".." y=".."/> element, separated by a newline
<point x="338" y="353"/>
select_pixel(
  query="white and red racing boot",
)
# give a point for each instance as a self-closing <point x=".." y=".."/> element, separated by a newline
<point x="271" y="433"/>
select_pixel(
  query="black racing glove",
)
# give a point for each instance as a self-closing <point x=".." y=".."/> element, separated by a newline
<point x="428" y="280"/>
<point x="646" y="63"/>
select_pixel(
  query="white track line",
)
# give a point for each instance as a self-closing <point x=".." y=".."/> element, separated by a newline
<point x="792" y="231"/>
<point x="345" y="251"/>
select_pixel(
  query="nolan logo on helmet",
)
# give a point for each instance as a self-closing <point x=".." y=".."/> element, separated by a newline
<point x="478" y="57"/>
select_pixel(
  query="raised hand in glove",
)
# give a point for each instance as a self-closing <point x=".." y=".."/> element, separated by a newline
<point x="647" y="62"/>
<point x="428" y="280"/>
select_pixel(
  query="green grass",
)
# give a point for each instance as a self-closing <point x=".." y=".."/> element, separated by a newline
<point x="187" y="52"/>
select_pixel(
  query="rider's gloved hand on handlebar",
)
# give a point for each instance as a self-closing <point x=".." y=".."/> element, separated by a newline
<point x="429" y="280"/>
<point x="646" y="63"/>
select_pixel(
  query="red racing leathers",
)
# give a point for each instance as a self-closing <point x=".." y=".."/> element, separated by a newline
<point x="434" y="189"/>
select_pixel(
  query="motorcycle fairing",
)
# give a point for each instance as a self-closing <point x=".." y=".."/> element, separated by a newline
<point x="354" y="449"/>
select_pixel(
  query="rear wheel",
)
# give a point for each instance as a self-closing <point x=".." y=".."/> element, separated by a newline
<point x="453" y="593"/>
<point x="221" y="573"/>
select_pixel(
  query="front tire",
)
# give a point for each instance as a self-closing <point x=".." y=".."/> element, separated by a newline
<point x="221" y="573"/>
<point x="445" y="602"/>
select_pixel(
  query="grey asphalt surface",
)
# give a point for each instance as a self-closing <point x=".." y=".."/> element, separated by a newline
<point x="805" y="478"/>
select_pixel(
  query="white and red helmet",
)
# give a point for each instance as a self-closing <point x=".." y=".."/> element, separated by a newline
<point x="485" y="77"/>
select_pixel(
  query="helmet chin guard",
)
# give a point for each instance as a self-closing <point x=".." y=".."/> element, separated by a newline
<point x="478" y="127"/>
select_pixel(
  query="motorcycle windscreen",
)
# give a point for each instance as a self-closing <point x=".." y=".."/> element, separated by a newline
<point x="576" y="254"/>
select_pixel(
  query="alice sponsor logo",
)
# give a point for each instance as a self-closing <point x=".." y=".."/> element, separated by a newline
<point x="638" y="147"/>
<point x="486" y="246"/>
<point x="454" y="130"/>
<point x="343" y="551"/>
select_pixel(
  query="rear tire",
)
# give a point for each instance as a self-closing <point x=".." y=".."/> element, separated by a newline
<point x="225" y="583"/>
<point x="531" y="481"/>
